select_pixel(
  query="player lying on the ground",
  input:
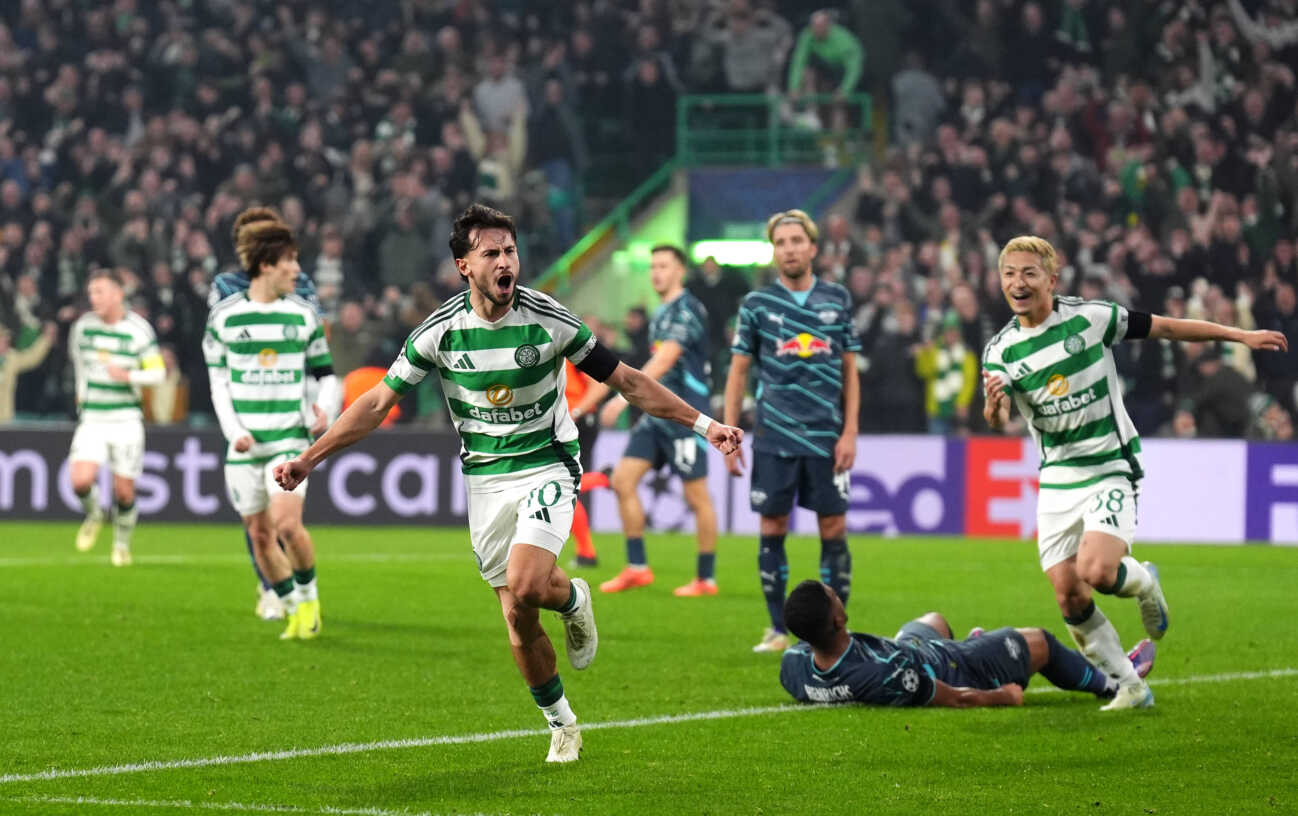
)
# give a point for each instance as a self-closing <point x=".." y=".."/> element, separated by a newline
<point x="923" y="664"/>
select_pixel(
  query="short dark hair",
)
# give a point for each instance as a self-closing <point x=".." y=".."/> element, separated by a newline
<point x="477" y="217"/>
<point x="106" y="273"/>
<point x="677" y="253"/>
<point x="808" y="614"/>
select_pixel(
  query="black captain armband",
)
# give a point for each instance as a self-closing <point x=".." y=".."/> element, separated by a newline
<point x="1139" y="324"/>
<point x="320" y="372"/>
<point x="600" y="363"/>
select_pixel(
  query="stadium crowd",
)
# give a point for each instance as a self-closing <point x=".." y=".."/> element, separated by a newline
<point x="1156" y="144"/>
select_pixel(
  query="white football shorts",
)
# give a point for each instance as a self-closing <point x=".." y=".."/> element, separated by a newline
<point x="120" y="444"/>
<point x="534" y="507"/>
<point x="1063" y="517"/>
<point x="251" y="486"/>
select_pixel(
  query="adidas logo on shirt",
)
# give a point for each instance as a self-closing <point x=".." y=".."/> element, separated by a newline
<point x="464" y="363"/>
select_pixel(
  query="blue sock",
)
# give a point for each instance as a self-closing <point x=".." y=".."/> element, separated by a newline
<point x="707" y="566"/>
<point x="635" y="552"/>
<point x="264" y="583"/>
<point x="1070" y="671"/>
<point x="836" y="566"/>
<point x="773" y="568"/>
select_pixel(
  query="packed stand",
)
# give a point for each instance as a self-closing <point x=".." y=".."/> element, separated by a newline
<point x="133" y="132"/>
<point x="1154" y="144"/>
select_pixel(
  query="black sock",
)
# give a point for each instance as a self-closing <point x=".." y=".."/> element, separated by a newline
<point x="635" y="554"/>
<point x="773" y="569"/>
<point x="1070" y="671"/>
<point x="836" y="566"/>
<point x="707" y="564"/>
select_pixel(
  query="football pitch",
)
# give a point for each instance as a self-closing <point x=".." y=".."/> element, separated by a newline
<point x="154" y="689"/>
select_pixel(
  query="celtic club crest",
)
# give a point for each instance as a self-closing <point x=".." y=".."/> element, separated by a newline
<point x="527" y="356"/>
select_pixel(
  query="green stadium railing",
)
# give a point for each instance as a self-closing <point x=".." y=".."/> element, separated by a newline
<point x="753" y="129"/>
<point x="614" y="226"/>
<point x="728" y="129"/>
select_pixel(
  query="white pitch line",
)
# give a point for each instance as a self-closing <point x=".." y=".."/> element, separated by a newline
<point x="1195" y="679"/>
<point x="92" y="561"/>
<point x="383" y="745"/>
<point x="494" y="736"/>
<point x="186" y="804"/>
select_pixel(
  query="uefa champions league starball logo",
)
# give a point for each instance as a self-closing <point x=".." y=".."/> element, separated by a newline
<point x="910" y="680"/>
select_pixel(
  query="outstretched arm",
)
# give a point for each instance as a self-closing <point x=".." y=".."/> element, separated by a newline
<point x="845" y="448"/>
<point x="650" y="396"/>
<point x="1171" y="328"/>
<point x="360" y="418"/>
<point x="1010" y="694"/>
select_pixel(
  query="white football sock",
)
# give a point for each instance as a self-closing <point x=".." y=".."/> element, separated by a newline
<point x="1137" y="581"/>
<point x="1098" y="640"/>
<point x="90" y="502"/>
<point x="559" y="714"/>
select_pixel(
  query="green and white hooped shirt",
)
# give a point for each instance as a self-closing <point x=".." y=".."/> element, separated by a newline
<point x="503" y="381"/>
<point x="128" y="343"/>
<point x="1062" y="377"/>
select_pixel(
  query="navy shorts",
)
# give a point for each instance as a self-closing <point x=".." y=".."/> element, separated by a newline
<point x="686" y="453"/>
<point x="776" y="479"/>
<point x="985" y="662"/>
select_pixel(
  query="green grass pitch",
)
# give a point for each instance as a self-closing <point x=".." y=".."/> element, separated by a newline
<point x="163" y="662"/>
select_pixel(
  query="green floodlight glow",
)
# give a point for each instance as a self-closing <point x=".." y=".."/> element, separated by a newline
<point x="733" y="253"/>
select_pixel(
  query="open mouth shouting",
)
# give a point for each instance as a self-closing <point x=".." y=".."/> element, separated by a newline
<point x="504" y="286"/>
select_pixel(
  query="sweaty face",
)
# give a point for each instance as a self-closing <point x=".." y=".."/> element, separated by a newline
<point x="492" y="265"/>
<point x="665" y="272"/>
<point x="105" y="297"/>
<point x="1026" y="283"/>
<point x="793" y="250"/>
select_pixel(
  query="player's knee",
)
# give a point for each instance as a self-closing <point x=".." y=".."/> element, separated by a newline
<point x="834" y="527"/>
<point x="622" y="481"/>
<point x="288" y="531"/>
<point x="775" y="525"/>
<point x="698" y="498"/>
<point x="263" y="538"/>
<point x="530" y="590"/>
<point x="124" y="494"/>
<point x="1096" y="571"/>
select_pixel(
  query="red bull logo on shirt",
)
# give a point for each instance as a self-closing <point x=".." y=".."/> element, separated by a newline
<point x="803" y="345"/>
